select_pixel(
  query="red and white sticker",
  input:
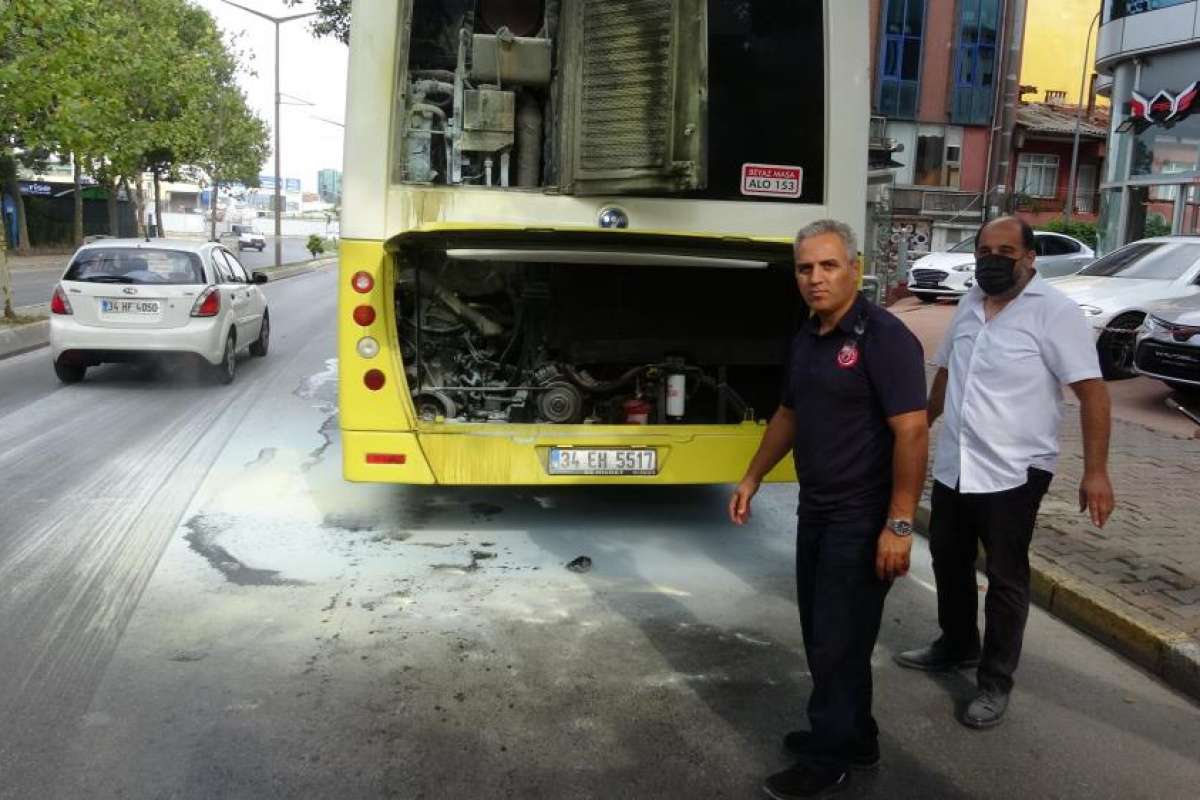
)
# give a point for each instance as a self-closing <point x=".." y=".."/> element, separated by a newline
<point x="771" y="180"/>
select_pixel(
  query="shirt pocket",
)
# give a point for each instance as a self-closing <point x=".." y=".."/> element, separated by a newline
<point x="1008" y="351"/>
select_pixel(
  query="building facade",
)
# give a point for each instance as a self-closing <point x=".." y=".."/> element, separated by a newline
<point x="1148" y="57"/>
<point x="1043" y="149"/>
<point x="938" y="70"/>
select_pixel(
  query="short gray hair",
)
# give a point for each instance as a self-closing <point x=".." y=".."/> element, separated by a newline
<point x="839" y="229"/>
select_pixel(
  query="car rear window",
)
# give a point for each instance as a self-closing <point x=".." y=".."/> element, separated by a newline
<point x="1147" y="261"/>
<point x="136" y="265"/>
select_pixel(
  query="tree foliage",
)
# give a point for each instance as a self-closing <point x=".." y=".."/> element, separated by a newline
<point x="125" y="87"/>
<point x="333" y="19"/>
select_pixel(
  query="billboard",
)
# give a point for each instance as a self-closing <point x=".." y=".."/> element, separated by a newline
<point x="289" y="184"/>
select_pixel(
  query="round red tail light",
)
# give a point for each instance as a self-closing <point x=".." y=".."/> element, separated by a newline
<point x="364" y="315"/>
<point x="362" y="282"/>
<point x="374" y="380"/>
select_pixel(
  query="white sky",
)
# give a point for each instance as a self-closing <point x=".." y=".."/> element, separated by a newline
<point x="309" y="68"/>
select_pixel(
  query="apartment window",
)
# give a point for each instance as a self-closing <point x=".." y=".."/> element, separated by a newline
<point x="976" y="61"/>
<point x="1127" y="8"/>
<point x="900" y="59"/>
<point x="1037" y="175"/>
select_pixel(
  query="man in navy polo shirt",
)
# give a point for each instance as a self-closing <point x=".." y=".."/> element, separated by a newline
<point x="853" y="415"/>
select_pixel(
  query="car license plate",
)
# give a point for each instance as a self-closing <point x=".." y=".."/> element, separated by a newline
<point x="603" y="461"/>
<point x="121" y="306"/>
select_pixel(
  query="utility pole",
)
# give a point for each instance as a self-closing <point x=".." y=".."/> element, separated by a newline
<point x="277" y="21"/>
<point x="1069" y="209"/>
<point x="1014" y="11"/>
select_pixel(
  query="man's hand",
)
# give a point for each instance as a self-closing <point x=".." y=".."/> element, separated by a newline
<point x="892" y="555"/>
<point x="1096" y="497"/>
<point x="739" y="504"/>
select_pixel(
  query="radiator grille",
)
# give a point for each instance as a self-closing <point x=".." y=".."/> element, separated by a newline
<point x="1171" y="361"/>
<point x="625" y="96"/>
<point x="929" y="277"/>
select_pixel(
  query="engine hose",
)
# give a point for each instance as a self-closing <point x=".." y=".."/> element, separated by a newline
<point x="443" y="75"/>
<point x="603" y="387"/>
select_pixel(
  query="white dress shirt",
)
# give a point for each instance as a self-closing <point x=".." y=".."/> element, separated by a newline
<point x="1004" y="399"/>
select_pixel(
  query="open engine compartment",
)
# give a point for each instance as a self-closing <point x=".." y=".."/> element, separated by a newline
<point x="568" y="343"/>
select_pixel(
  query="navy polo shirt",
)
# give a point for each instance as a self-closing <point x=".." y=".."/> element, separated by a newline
<point x="843" y="387"/>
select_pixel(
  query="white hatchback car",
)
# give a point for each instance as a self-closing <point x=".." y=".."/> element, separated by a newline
<point x="124" y="300"/>
<point x="952" y="273"/>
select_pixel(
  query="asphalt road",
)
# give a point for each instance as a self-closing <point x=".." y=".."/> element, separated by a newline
<point x="193" y="604"/>
<point x="32" y="286"/>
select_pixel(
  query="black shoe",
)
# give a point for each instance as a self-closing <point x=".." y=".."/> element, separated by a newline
<point x="805" y="782"/>
<point x="937" y="657"/>
<point x="986" y="710"/>
<point x="863" y="757"/>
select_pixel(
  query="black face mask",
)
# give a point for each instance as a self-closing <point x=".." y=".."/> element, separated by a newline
<point x="995" y="274"/>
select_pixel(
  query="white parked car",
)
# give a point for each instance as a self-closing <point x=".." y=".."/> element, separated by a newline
<point x="1116" y="292"/>
<point x="1168" y="344"/>
<point x="124" y="300"/>
<point x="952" y="273"/>
<point x="248" y="239"/>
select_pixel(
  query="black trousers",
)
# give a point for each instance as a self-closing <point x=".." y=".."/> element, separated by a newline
<point x="1004" y="522"/>
<point x="841" y="604"/>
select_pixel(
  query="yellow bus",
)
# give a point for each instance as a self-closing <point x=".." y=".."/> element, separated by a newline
<point x="567" y="226"/>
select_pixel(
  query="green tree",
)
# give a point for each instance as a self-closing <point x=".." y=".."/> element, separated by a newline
<point x="237" y="147"/>
<point x="333" y="19"/>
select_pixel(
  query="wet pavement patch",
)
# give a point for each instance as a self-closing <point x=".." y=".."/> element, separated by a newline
<point x="352" y="521"/>
<point x="201" y="538"/>
<point x="486" y="510"/>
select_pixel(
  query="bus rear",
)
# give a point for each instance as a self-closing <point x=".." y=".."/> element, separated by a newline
<point x="566" y="252"/>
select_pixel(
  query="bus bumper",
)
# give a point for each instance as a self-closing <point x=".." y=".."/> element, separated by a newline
<point x="496" y="457"/>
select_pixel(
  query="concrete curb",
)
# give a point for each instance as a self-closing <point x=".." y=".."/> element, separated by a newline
<point x="23" y="338"/>
<point x="1169" y="654"/>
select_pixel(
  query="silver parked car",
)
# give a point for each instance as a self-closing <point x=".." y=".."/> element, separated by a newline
<point x="1168" y="344"/>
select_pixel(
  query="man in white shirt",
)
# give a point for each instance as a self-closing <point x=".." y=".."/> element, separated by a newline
<point x="1014" y="342"/>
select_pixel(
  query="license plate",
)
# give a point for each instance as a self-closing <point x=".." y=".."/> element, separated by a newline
<point x="119" y="306"/>
<point x="603" y="461"/>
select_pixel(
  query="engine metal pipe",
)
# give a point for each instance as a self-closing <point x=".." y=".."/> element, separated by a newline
<point x="529" y="140"/>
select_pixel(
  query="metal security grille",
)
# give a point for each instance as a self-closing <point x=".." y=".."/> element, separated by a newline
<point x="626" y="92"/>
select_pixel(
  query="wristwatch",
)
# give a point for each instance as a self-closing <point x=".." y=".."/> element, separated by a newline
<point x="901" y="527"/>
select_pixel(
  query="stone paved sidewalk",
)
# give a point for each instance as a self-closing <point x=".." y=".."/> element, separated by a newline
<point x="1136" y="583"/>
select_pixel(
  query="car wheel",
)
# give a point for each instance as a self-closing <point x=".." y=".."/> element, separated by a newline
<point x="1115" y="347"/>
<point x="259" y="346"/>
<point x="925" y="298"/>
<point x="69" y="373"/>
<point x="226" y="371"/>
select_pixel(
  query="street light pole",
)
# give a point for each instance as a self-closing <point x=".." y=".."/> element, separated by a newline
<point x="278" y="177"/>
<point x="1069" y="209"/>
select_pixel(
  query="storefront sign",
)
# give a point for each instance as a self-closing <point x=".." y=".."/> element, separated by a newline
<point x="1164" y="109"/>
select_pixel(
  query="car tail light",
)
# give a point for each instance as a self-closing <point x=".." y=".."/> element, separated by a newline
<point x="387" y="458"/>
<point x="208" y="304"/>
<point x="362" y="282"/>
<point x="374" y="380"/>
<point x="364" y="315"/>
<point x="59" y="304"/>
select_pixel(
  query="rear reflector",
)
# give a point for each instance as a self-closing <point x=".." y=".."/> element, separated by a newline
<point x="374" y="380"/>
<point x="362" y="282"/>
<point x="386" y="458"/>
<point x="59" y="304"/>
<point x="364" y="315"/>
<point x="208" y="304"/>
